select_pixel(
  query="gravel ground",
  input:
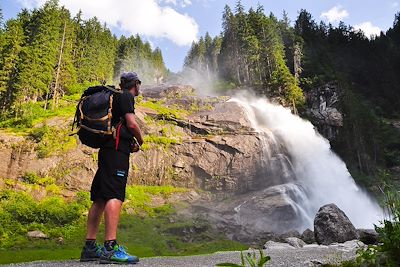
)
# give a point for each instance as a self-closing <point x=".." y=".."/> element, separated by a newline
<point x="279" y="257"/>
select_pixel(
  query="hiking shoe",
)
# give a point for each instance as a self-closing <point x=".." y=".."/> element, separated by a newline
<point x="117" y="255"/>
<point x="91" y="254"/>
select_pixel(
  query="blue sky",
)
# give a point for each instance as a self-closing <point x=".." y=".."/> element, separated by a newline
<point x="173" y="24"/>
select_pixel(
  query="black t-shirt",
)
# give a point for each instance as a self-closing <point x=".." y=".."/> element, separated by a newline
<point x="123" y="103"/>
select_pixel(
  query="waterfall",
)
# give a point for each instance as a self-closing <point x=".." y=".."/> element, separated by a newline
<point x="315" y="173"/>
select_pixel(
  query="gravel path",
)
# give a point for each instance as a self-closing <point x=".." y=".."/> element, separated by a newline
<point x="279" y="257"/>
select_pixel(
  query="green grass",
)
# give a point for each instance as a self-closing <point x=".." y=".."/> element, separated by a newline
<point x="147" y="232"/>
<point x="144" y="237"/>
<point x="27" y="255"/>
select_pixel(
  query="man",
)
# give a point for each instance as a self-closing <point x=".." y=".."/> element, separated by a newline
<point x="108" y="186"/>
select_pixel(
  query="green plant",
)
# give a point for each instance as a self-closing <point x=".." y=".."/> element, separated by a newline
<point x="53" y="189"/>
<point x="250" y="258"/>
<point x="389" y="232"/>
<point x="51" y="141"/>
<point x="30" y="178"/>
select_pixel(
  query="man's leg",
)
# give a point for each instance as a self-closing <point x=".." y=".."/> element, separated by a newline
<point x="94" y="218"/>
<point x="111" y="216"/>
<point x="92" y="251"/>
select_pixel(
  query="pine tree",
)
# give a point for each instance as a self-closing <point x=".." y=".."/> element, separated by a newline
<point x="9" y="61"/>
<point x="228" y="60"/>
<point x="40" y="56"/>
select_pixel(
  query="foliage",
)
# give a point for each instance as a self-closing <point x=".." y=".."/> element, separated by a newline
<point x="139" y="198"/>
<point x="146" y="235"/>
<point x="389" y="232"/>
<point x="46" y="53"/>
<point x="30" y="177"/>
<point x="251" y="259"/>
<point x="250" y="51"/>
<point x="52" y="141"/>
<point x="20" y="213"/>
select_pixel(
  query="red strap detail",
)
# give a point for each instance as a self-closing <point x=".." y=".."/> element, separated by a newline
<point x="117" y="135"/>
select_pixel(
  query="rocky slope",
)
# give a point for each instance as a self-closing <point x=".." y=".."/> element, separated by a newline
<point x="202" y="143"/>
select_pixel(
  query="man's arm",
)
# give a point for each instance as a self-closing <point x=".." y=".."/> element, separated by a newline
<point x="133" y="127"/>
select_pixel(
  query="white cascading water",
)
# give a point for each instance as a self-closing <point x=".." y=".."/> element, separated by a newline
<point x="321" y="173"/>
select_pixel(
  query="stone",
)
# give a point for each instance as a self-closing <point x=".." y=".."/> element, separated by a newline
<point x="308" y="236"/>
<point x="332" y="225"/>
<point x="368" y="236"/>
<point x="60" y="240"/>
<point x="295" y="242"/>
<point x="37" y="234"/>
<point x="277" y="245"/>
<point x="292" y="233"/>
<point x="348" y="246"/>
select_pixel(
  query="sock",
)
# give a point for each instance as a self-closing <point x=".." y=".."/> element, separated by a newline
<point x="90" y="243"/>
<point x="110" y="244"/>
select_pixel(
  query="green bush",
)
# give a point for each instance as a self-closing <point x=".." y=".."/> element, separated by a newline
<point x="20" y="213"/>
<point x="52" y="141"/>
<point x="389" y="232"/>
<point x="30" y="178"/>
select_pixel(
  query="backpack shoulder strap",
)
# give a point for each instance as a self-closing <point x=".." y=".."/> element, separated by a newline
<point x="113" y="89"/>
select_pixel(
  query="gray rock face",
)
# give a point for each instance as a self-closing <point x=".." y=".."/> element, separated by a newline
<point x="332" y="225"/>
<point x="323" y="109"/>
<point x="252" y="217"/>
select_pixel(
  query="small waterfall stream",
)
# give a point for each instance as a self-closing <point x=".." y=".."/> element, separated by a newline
<point x="301" y="160"/>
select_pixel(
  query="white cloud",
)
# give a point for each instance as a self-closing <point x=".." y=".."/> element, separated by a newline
<point x="368" y="29"/>
<point x="186" y="3"/>
<point x="170" y="2"/>
<point x="335" y="14"/>
<point x="182" y="3"/>
<point x="146" y="18"/>
<point x="394" y="4"/>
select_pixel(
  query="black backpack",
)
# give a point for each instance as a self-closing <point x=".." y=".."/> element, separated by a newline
<point x="93" y="115"/>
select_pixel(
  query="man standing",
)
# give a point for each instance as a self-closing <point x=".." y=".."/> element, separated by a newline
<point x="109" y="184"/>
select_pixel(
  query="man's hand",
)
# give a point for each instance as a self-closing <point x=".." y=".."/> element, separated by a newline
<point x="135" y="147"/>
<point x="133" y="127"/>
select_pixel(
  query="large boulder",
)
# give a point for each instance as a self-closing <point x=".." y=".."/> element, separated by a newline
<point x="332" y="225"/>
<point x="368" y="236"/>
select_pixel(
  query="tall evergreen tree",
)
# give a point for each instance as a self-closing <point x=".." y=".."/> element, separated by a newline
<point x="9" y="62"/>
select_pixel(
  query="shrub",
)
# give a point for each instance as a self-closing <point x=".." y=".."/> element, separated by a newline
<point x="52" y="141"/>
<point x="389" y="232"/>
<point x="30" y="178"/>
<point x="250" y="258"/>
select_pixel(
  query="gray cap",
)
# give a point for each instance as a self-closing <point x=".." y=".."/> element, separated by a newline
<point x="129" y="76"/>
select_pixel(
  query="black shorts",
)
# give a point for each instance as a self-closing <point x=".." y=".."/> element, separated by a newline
<point x="111" y="176"/>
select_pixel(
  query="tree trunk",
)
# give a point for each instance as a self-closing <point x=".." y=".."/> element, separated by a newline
<point x="55" y="101"/>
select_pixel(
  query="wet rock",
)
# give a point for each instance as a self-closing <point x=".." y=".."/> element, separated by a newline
<point x="332" y="225"/>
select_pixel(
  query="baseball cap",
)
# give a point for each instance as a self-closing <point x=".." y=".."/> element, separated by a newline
<point x="129" y="77"/>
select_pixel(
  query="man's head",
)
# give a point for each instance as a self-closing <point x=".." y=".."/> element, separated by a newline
<point x="130" y="81"/>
